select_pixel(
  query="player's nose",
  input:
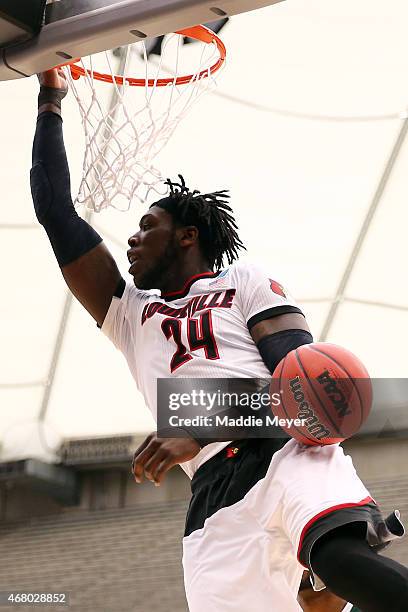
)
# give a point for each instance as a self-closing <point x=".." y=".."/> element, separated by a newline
<point x="134" y="240"/>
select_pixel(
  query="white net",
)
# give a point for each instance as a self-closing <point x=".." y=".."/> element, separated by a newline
<point x="125" y="126"/>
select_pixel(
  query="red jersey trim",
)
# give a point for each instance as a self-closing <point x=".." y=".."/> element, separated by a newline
<point x="363" y="502"/>
<point x="187" y="285"/>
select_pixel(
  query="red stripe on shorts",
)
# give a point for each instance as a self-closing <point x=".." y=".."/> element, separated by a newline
<point x="364" y="501"/>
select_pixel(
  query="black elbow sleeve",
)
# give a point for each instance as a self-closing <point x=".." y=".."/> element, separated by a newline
<point x="274" y="347"/>
<point x="69" y="234"/>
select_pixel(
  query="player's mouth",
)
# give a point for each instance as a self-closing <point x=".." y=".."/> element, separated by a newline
<point x="133" y="260"/>
<point x="134" y="263"/>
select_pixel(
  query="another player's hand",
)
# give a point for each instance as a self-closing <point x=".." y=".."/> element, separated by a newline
<point x="155" y="456"/>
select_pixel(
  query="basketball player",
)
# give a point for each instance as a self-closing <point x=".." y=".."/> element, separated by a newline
<point x="321" y="601"/>
<point x="262" y="508"/>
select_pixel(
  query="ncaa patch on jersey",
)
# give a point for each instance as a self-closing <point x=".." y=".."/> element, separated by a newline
<point x="221" y="280"/>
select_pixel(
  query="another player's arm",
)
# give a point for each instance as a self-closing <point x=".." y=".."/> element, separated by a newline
<point x="86" y="264"/>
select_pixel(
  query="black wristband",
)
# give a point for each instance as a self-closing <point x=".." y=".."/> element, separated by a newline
<point x="51" y="95"/>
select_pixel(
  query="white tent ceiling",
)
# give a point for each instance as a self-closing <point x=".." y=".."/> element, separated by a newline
<point x="307" y="129"/>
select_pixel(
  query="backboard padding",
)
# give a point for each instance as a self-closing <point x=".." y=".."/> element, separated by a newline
<point x="20" y="20"/>
<point x="77" y="28"/>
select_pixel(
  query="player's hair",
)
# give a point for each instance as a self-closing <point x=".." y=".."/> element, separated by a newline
<point x="211" y="214"/>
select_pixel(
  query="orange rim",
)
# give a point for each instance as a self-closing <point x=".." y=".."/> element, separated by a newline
<point x="198" y="32"/>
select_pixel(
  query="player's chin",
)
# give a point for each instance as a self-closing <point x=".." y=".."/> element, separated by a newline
<point x="141" y="282"/>
<point x="138" y="282"/>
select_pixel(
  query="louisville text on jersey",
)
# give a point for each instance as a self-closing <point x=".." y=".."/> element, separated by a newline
<point x="222" y="299"/>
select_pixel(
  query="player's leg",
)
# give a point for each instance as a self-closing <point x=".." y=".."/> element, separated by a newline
<point x="323" y="494"/>
<point x="350" y="568"/>
<point x="231" y="562"/>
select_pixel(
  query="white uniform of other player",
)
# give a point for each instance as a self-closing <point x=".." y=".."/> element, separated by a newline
<point x="241" y="547"/>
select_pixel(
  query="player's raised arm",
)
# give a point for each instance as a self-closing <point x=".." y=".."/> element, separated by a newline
<point x="86" y="264"/>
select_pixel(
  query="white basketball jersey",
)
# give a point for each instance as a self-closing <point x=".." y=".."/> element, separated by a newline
<point x="198" y="332"/>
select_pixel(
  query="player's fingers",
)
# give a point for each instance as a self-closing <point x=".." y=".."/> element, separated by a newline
<point x="141" y="455"/>
<point x="153" y="463"/>
<point x="49" y="78"/>
<point x="162" y="468"/>
<point x="62" y="79"/>
<point x="139" y="463"/>
<point x="141" y="447"/>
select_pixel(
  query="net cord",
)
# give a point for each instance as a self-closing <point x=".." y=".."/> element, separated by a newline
<point x="122" y="141"/>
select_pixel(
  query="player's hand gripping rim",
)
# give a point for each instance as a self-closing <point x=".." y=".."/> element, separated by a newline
<point x="54" y="88"/>
<point x="156" y="456"/>
<point x="54" y="78"/>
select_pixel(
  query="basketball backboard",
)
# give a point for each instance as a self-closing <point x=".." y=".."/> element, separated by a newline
<point x="20" y="21"/>
<point x="77" y="28"/>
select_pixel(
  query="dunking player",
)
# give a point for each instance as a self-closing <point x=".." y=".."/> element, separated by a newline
<point x="260" y="509"/>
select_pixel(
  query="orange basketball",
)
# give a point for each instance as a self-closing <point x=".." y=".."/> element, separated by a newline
<point x="325" y="389"/>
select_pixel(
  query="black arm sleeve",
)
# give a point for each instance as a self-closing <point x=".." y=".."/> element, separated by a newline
<point x="70" y="236"/>
<point x="274" y="347"/>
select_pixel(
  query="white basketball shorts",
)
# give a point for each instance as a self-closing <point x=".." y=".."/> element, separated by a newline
<point x="257" y="508"/>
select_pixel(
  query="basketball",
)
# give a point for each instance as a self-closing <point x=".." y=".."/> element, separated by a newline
<point x="327" y="388"/>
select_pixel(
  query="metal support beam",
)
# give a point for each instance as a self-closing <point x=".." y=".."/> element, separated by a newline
<point x="396" y="149"/>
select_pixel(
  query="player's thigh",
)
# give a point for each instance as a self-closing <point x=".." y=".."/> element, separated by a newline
<point x="232" y="564"/>
<point x="322" y="492"/>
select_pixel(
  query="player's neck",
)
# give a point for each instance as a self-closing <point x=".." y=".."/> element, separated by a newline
<point x="178" y="278"/>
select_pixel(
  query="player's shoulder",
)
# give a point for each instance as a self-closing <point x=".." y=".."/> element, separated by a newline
<point x="251" y="278"/>
<point x="132" y="294"/>
<point x="245" y="269"/>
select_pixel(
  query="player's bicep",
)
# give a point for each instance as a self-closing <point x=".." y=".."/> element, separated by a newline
<point x="93" y="278"/>
<point x="277" y="324"/>
<point x="275" y="337"/>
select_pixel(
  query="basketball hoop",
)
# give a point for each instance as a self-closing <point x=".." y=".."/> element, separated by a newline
<point x="124" y="132"/>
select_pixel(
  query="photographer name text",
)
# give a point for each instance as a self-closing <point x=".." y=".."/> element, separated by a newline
<point x="241" y="421"/>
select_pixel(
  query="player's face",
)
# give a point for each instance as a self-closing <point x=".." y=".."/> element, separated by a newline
<point x="153" y="250"/>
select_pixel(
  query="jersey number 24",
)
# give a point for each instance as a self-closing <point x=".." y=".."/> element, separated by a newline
<point x="199" y="334"/>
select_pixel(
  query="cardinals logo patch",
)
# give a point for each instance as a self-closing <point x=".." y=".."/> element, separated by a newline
<point x="277" y="288"/>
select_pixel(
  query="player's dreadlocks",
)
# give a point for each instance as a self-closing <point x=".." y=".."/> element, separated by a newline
<point x="211" y="215"/>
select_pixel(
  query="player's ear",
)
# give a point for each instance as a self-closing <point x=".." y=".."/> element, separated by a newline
<point x="187" y="235"/>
